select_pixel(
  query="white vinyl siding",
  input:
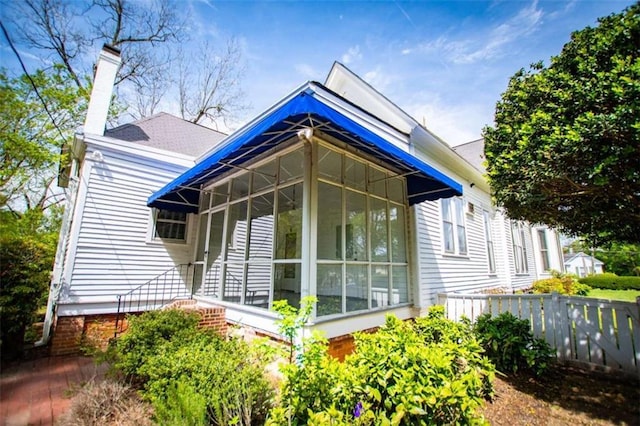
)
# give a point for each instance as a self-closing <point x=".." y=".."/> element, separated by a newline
<point x="112" y="253"/>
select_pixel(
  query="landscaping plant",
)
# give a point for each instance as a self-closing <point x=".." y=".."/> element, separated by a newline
<point x="510" y="345"/>
<point x="428" y="372"/>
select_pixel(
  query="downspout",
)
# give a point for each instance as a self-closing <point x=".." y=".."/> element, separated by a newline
<point x="95" y="121"/>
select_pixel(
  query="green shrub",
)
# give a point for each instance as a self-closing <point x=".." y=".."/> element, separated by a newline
<point x="548" y="285"/>
<point x="182" y="405"/>
<point x="562" y="284"/>
<point x="146" y="334"/>
<point x="612" y="282"/>
<point x="509" y="343"/>
<point x="428" y="372"/>
<point x="226" y="374"/>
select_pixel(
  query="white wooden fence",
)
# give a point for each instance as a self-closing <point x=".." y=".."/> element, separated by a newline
<point x="593" y="331"/>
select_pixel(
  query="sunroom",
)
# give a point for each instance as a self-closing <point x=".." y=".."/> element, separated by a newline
<point x="311" y="198"/>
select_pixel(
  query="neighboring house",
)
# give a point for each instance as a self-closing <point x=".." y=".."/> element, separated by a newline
<point x="582" y="264"/>
<point x="333" y="192"/>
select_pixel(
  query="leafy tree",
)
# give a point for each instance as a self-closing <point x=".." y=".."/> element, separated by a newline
<point x="565" y="147"/>
<point x="27" y="248"/>
<point x="30" y="142"/>
<point x="621" y="259"/>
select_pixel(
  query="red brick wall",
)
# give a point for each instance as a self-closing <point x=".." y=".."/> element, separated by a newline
<point x="341" y="346"/>
<point x="70" y="334"/>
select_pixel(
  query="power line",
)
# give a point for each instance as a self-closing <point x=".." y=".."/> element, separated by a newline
<point x="33" y="84"/>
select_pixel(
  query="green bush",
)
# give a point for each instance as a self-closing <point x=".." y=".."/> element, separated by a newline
<point x="181" y="405"/>
<point x="611" y="282"/>
<point x="428" y="372"/>
<point x="226" y="373"/>
<point x="146" y="334"/>
<point x="509" y="343"/>
<point x="562" y="284"/>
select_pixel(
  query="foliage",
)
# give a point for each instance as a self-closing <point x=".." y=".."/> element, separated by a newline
<point x="224" y="373"/>
<point x="146" y="334"/>
<point x="31" y="144"/>
<point x="611" y="281"/>
<point x="292" y="321"/>
<point x="561" y="283"/>
<point x="182" y="405"/>
<point x="183" y="368"/>
<point x="106" y="402"/>
<point x="428" y="372"/>
<point x="27" y="249"/>
<point x="619" y="258"/>
<point x="509" y="343"/>
<point x="565" y="147"/>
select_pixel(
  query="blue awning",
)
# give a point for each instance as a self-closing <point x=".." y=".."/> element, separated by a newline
<point x="300" y="112"/>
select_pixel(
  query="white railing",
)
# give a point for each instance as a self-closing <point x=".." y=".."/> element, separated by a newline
<point x="594" y="331"/>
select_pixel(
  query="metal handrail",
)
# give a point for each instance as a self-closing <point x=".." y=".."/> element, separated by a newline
<point x="156" y="293"/>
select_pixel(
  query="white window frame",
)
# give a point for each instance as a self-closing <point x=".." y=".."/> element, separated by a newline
<point x="488" y="234"/>
<point x="543" y="242"/>
<point x="457" y="220"/>
<point x="151" y="230"/>
<point x="519" y="247"/>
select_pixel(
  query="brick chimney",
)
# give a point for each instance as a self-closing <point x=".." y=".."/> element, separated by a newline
<point x="106" y="69"/>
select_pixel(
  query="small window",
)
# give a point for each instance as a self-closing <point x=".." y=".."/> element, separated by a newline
<point x="453" y="226"/>
<point x="519" y="248"/>
<point x="488" y="235"/>
<point x="544" y="249"/>
<point x="170" y="225"/>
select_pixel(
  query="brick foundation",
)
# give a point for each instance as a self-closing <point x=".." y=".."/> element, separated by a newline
<point x="341" y="346"/>
<point x="71" y="334"/>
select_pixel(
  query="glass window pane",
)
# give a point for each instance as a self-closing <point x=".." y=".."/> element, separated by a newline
<point x="205" y="199"/>
<point x="397" y="224"/>
<point x="292" y="166"/>
<point x="214" y="256"/>
<point x="377" y="182"/>
<point x="233" y="282"/>
<point x="379" y="286"/>
<point x="264" y="176"/>
<point x="379" y="234"/>
<point x="220" y="194"/>
<point x="462" y="240"/>
<point x="400" y="292"/>
<point x="237" y="231"/>
<point x="459" y="208"/>
<point x="355" y="174"/>
<point x="356" y="227"/>
<point x="329" y="289"/>
<point x="261" y="233"/>
<point x="240" y="186"/>
<point x="289" y="239"/>
<point x="258" y="285"/>
<point x="329" y="236"/>
<point x="329" y="164"/>
<point x="357" y="286"/>
<point x="286" y="283"/>
<point x="396" y="189"/>
<point x="446" y="210"/>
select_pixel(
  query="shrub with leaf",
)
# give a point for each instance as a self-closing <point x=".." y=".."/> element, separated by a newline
<point x="510" y="345"/>
<point x="561" y="283"/>
<point x="428" y="372"/>
<point x="190" y="375"/>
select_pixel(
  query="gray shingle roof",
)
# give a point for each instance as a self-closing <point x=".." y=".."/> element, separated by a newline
<point x="165" y="131"/>
<point x="473" y="152"/>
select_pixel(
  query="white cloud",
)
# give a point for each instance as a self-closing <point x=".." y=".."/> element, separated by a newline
<point x="378" y="79"/>
<point x="307" y="71"/>
<point x="352" y="54"/>
<point x="488" y="44"/>
<point x="454" y="124"/>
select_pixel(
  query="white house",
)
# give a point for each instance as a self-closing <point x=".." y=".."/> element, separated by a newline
<point x="582" y="264"/>
<point x="333" y="192"/>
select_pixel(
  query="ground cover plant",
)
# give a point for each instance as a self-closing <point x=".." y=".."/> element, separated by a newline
<point x="431" y="371"/>
<point x="192" y="376"/>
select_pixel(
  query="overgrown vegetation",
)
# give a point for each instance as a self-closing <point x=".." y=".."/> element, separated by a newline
<point x="612" y="282"/>
<point x="430" y="371"/>
<point x="193" y="376"/>
<point x="561" y="283"/>
<point x="27" y="249"/>
<point x="510" y="345"/>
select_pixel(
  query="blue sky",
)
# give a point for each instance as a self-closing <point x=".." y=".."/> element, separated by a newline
<point x="444" y="62"/>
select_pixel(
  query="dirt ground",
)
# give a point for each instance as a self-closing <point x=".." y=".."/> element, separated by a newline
<point x="565" y="396"/>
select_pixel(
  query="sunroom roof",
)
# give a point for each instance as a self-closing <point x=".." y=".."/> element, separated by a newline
<point x="305" y="109"/>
